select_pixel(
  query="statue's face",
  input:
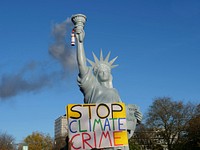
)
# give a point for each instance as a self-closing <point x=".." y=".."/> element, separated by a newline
<point x="104" y="74"/>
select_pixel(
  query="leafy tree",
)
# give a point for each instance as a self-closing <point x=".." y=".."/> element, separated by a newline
<point x="39" y="141"/>
<point x="6" y="141"/>
<point x="133" y="145"/>
<point x="170" y="119"/>
<point x="193" y="134"/>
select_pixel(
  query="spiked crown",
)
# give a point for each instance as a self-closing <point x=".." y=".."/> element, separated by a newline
<point x="102" y="63"/>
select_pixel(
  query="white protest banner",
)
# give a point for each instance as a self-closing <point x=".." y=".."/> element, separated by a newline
<point x="97" y="125"/>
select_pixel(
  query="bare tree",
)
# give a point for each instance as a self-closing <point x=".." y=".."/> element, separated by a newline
<point x="6" y="141"/>
<point x="170" y="119"/>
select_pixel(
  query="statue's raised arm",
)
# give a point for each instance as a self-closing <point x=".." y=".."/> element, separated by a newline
<point x="95" y="81"/>
<point x="79" y="21"/>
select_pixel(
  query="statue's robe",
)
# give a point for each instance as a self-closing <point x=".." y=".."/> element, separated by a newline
<point x="94" y="92"/>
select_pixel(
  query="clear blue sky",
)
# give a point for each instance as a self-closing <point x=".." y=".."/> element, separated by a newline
<point x="158" y="44"/>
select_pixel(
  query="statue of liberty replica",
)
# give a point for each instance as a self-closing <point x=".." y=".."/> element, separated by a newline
<point x="95" y="81"/>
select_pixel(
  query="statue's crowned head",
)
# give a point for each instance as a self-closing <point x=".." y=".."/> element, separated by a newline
<point x="102" y="65"/>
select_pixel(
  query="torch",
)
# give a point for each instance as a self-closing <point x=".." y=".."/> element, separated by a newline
<point x="79" y="22"/>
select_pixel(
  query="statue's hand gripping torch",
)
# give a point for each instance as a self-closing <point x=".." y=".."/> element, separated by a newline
<point x="78" y="31"/>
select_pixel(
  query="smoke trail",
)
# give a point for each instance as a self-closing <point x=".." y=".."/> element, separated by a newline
<point x="14" y="84"/>
<point x="59" y="49"/>
<point x="32" y="77"/>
